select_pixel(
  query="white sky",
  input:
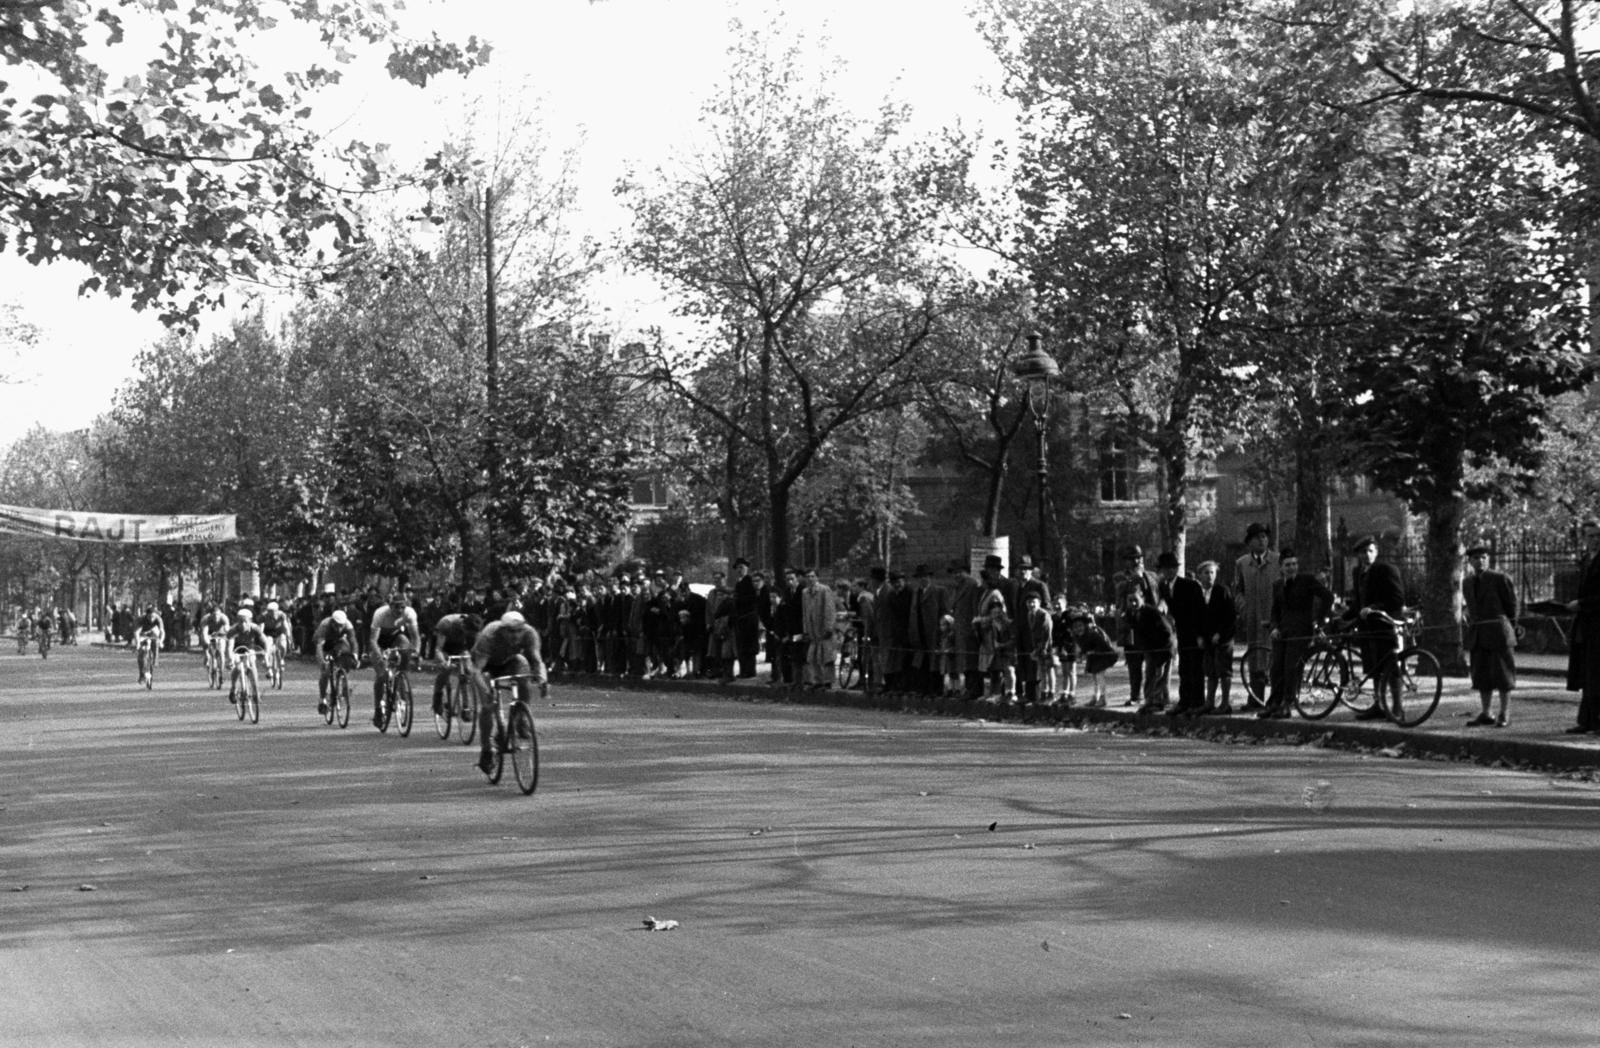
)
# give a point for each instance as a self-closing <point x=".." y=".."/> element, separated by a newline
<point x="628" y="75"/>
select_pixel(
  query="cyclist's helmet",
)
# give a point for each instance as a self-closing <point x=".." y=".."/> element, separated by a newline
<point x="248" y="602"/>
<point x="272" y="605"/>
<point x="399" y="599"/>
<point x="513" y="617"/>
<point x="341" y="618"/>
<point x="149" y="609"/>
<point x="245" y="614"/>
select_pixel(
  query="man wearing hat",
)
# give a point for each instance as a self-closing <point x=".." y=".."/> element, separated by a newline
<point x="894" y="609"/>
<point x="1489" y="602"/>
<point x="1134" y="576"/>
<point x="965" y="597"/>
<point x="1377" y="607"/>
<point x="1186" y="605"/>
<point x="1254" y="574"/>
<point x="1583" y="660"/>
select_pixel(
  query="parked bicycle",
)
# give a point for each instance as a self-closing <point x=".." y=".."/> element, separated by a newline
<point x="243" y="689"/>
<point x="397" y="707"/>
<point x="337" y="708"/>
<point x="514" y="733"/>
<point x="1407" y="687"/>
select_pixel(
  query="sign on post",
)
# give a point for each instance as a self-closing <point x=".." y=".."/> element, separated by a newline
<point x="121" y="529"/>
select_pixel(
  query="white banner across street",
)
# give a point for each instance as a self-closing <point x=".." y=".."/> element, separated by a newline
<point x="123" y="529"/>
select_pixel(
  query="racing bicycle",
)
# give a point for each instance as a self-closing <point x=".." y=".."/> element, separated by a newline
<point x="147" y="661"/>
<point x="514" y="733"/>
<point x="337" y="707"/>
<point x="216" y="667"/>
<point x="243" y="690"/>
<point x="459" y="703"/>
<point x="398" y="706"/>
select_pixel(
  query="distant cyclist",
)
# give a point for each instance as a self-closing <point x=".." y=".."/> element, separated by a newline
<point x="335" y="643"/>
<point x="275" y="624"/>
<point x="508" y="647"/>
<point x="456" y="634"/>
<point x="394" y="626"/>
<point x="148" y="628"/>
<point x="214" y="623"/>
<point x="246" y="633"/>
<point x="44" y="625"/>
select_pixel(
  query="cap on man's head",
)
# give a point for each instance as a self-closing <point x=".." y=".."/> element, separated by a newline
<point x="1132" y="552"/>
<point x="740" y="562"/>
<point x="993" y="562"/>
<point x="1256" y="528"/>
<point x="879" y="574"/>
<point x="1168" y="559"/>
<point x="1024" y="561"/>
<point x="1477" y="549"/>
<point x="1363" y="542"/>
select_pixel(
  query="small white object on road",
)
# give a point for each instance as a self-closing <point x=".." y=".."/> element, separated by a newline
<point x="656" y="924"/>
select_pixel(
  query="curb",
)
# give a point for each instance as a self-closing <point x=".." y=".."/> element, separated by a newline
<point x="1392" y="741"/>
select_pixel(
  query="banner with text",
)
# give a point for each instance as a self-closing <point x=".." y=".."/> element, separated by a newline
<point x="119" y="528"/>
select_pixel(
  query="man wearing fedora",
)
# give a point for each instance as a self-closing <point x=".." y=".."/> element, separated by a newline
<point x="1134" y="576"/>
<point x="966" y="595"/>
<point x="1489" y="603"/>
<point x="931" y="603"/>
<point x="1254" y="574"/>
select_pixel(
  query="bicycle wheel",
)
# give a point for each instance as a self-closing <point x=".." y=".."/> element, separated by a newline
<point x="387" y="708"/>
<point x="465" y="698"/>
<point x="1421" y="684"/>
<point x="1323" y="680"/>
<point x="405" y="708"/>
<point x="236" y="694"/>
<point x="44" y="647"/>
<point x="523" y="742"/>
<point x="150" y="675"/>
<point x="340" y="695"/>
<point x="1255" y="685"/>
<point x="1362" y="692"/>
<point x="445" y="713"/>
<point x="252" y="698"/>
<point x="849" y="662"/>
<point x="277" y="669"/>
<point x="329" y="702"/>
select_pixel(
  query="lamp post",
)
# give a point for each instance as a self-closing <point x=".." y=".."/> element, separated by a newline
<point x="1037" y="368"/>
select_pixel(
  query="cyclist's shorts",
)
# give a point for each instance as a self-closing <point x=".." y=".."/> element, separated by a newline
<point x="515" y="666"/>
<point x="394" y="638"/>
<point x="455" y="646"/>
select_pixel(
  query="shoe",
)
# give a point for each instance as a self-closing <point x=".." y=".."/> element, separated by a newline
<point x="437" y="709"/>
<point x="377" y="721"/>
<point x="1067" y="699"/>
<point x="1578" y="729"/>
<point x="1148" y="707"/>
<point x="322" y="708"/>
<point x="1224" y="710"/>
<point x="1375" y="713"/>
<point x="1180" y="711"/>
<point x="1482" y="720"/>
<point x="486" y="764"/>
<point x="1273" y="713"/>
<point x="1502" y="721"/>
<point x="1254" y="704"/>
<point x="1130" y="702"/>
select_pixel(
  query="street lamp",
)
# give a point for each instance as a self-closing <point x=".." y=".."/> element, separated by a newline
<point x="1037" y="368"/>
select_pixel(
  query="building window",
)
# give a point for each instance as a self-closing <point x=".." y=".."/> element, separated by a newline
<point x="1116" y="476"/>
<point x="816" y="549"/>
<point x="649" y="491"/>
<point x="1248" y="491"/>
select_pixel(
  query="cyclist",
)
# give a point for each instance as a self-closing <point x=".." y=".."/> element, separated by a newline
<point x="149" y="627"/>
<point x="213" y="625"/>
<point x="246" y="633"/>
<point x="43" y="625"/>
<point x="455" y="635"/>
<point x="508" y="647"/>
<point x="394" y="625"/>
<point x="335" y="642"/>
<point x="275" y="624"/>
<point x="24" y="627"/>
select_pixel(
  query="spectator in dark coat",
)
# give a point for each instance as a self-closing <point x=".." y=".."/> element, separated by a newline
<point x="1490" y="603"/>
<point x="1378" y="607"/>
<point x="932" y="604"/>
<point x="1151" y="636"/>
<point x="788" y="624"/>
<point x="1219" y="621"/>
<point x="1583" y="660"/>
<point x="1300" y="603"/>
<point x="746" y="619"/>
<point x="1148" y="586"/>
<point x="894" y="608"/>
<point x="964" y="598"/>
<point x="1186" y="607"/>
<point x="695" y="632"/>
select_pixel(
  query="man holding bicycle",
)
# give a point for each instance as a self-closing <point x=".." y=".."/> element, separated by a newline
<point x="335" y="644"/>
<point x="1377" y="609"/>
<point x="394" y="627"/>
<point x="508" y="647"/>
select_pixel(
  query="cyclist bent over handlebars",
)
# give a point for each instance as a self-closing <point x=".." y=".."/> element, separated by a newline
<point x="393" y="626"/>
<point x="508" y="647"/>
<point x="335" y="640"/>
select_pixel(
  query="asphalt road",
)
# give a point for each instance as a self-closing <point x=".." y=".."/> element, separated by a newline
<point x="840" y="877"/>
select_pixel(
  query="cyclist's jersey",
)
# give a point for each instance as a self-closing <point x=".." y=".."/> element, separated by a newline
<point x="213" y="623"/>
<point x="150" y="623"/>
<point x="330" y="635"/>
<point x="274" y="623"/>
<point x="247" y="635"/>
<point x="501" y="642"/>
<point x="45" y="623"/>
<point x="394" y="629"/>
<point x="457" y="634"/>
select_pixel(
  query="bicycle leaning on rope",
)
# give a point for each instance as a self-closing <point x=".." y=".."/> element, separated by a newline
<point x="514" y="733"/>
<point x="1406" y="686"/>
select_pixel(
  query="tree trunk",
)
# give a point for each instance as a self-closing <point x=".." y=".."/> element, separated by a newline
<point x="778" y="528"/>
<point x="464" y="536"/>
<point x="1441" y="592"/>
<point x="1312" y="538"/>
<point x="997" y="479"/>
<point x="1174" y="499"/>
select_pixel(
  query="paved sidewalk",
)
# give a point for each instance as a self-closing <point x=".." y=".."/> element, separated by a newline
<point x="1540" y="713"/>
